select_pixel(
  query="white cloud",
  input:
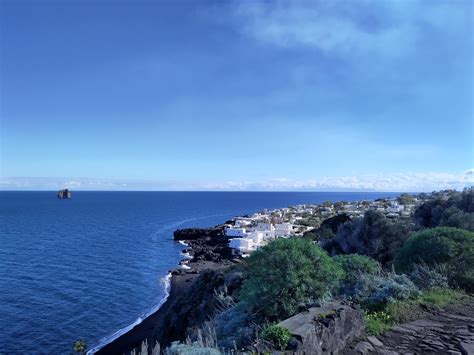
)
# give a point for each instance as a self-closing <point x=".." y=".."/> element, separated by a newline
<point x="399" y="182"/>
<point x="345" y="27"/>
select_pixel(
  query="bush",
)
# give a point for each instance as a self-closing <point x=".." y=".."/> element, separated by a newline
<point x="454" y="217"/>
<point x="287" y="275"/>
<point x="377" y="323"/>
<point x="457" y="210"/>
<point x="452" y="248"/>
<point x="425" y="277"/>
<point x="375" y="292"/>
<point x="328" y="228"/>
<point x="276" y="335"/>
<point x="354" y="265"/>
<point x="233" y="327"/>
<point x="374" y="235"/>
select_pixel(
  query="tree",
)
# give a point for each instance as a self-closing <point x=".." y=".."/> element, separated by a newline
<point x="328" y="228"/>
<point x="406" y="199"/>
<point x="448" y="208"/>
<point x="373" y="235"/>
<point x="327" y="204"/>
<point x="452" y="248"/>
<point x="286" y="275"/>
<point x="354" y="265"/>
<point x="339" y="205"/>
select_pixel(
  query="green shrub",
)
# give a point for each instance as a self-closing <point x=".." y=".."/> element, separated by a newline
<point x="374" y="235"/>
<point x="286" y="275"/>
<point x="276" y="335"/>
<point x="452" y="248"/>
<point x="454" y="211"/>
<point x="354" y="265"/>
<point x="233" y="327"/>
<point x="375" y="292"/>
<point x="426" y="278"/>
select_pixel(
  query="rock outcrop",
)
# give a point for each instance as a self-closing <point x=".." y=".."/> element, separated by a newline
<point x="198" y="233"/>
<point x="326" y="329"/>
<point x="445" y="332"/>
<point x="206" y="244"/>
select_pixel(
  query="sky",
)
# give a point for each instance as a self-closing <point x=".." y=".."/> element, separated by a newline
<point x="236" y="95"/>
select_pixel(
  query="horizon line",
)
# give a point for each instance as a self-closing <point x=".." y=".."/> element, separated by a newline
<point x="235" y="191"/>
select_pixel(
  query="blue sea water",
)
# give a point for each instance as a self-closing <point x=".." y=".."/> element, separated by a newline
<point x="89" y="266"/>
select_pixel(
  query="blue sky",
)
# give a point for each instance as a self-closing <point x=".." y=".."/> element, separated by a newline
<point x="270" y="95"/>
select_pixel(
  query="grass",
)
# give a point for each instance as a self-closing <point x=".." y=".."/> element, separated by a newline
<point x="377" y="323"/>
<point x="441" y="297"/>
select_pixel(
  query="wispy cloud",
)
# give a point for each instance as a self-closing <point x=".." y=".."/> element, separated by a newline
<point x="398" y="182"/>
<point x="346" y="27"/>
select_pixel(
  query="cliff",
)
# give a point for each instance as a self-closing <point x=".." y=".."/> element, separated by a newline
<point x="192" y="299"/>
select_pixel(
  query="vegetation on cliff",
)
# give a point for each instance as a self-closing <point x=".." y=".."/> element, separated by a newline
<point x="286" y="276"/>
<point x="449" y="248"/>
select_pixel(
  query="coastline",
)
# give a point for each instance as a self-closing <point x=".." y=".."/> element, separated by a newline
<point x="181" y="279"/>
<point x="206" y="249"/>
<point x="119" y="333"/>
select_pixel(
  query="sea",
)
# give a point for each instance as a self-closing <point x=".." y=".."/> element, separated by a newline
<point x="92" y="266"/>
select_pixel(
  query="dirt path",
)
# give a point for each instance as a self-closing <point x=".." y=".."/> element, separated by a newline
<point x="445" y="332"/>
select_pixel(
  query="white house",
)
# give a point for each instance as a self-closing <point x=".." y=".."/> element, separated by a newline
<point x="256" y="237"/>
<point x="235" y="232"/>
<point x="264" y="227"/>
<point x="394" y="209"/>
<point x="241" y="246"/>
<point x="242" y="222"/>
<point x="268" y="234"/>
<point x="283" y="229"/>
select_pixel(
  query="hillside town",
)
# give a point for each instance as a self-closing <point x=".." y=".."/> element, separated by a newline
<point x="248" y="233"/>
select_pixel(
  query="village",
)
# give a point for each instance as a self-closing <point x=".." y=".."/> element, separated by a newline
<point x="250" y="233"/>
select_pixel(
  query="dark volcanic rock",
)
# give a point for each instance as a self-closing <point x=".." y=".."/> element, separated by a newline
<point x="198" y="233"/>
<point x="324" y="330"/>
<point x="206" y="244"/>
<point x="191" y="309"/>
<point x="442" y="332"/>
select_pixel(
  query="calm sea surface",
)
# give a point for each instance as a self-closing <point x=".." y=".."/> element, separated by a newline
<point x="89" y="266"/>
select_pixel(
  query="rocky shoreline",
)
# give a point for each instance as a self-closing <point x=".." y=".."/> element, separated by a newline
<point x="207" y="255"/>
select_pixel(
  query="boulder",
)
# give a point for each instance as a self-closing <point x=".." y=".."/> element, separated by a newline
<point x="374" y="341"/>
<point x="363" y="347"/>
<point x="326" y="329"/>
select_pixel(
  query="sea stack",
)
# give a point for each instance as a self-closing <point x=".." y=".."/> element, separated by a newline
<point x="64" y="194"/>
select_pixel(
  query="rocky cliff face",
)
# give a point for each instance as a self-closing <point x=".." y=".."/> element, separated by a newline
<point x="326" y="329"/>
<point x="188" y="309"/>
<point x="206" y="244"/>
<point x="197" y="304"/>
